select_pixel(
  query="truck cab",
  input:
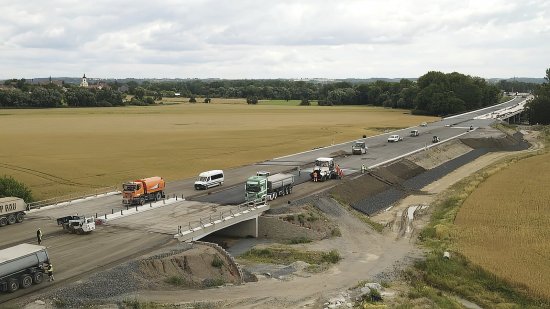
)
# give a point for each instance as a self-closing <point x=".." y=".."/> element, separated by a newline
<point x="359" y="147"/>
<point x="256" y="188"/>
<point x="324" y="169"/>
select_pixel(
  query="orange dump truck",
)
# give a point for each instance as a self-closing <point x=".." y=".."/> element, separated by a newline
<point x="143" y="190"/>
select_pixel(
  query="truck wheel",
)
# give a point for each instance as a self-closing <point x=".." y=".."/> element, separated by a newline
<point x="19" y="217"/>
<point x="289" y="190"/>
<point x="37" y="277"/>
<point x="141" y="200"/>
<point x="3" y="221"/>
<point x="11" y="219"/>
<point x="26" y="281"/>
<point x="274" y="195"/>
<point x="13" y="285"/>
<point x="158" y="196"/>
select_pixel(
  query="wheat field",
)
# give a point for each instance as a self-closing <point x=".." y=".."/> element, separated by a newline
<point x="503" y="225"/>
<point x="61" y="151"/>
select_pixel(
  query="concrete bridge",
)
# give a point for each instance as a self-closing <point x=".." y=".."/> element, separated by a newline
<point x="239" y="222"/>
<point x="510" y="114"/>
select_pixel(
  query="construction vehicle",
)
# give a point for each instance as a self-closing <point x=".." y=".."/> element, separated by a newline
<point x="22" y="266"/>
<point x="77" y="224"/>
<point x="143" y="190"/>
<point x="325" y="169"/>
<point x="264" y="186"/>
<point x="359" y="147"/>
<point x="12" y="210"/>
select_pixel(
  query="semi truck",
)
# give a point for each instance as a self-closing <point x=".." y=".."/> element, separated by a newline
<point x="268" y="187"/>
<point x="12" y="210"/>
<point x="77" y="224"/>
<point x="143" y="190"/>
<point x="22" y="266"/>
<point x="325" y="169"/>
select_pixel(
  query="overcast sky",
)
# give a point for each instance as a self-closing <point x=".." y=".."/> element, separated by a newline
<point x="273" y="39"/>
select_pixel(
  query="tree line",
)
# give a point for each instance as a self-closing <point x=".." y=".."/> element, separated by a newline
<point x="434" y="93"/>
<point x="538" y="108"/>
<point x="47" y="96"/>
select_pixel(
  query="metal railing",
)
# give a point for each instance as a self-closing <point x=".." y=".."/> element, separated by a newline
<point x="223" y="216"/>
<point x="69" y="198"/>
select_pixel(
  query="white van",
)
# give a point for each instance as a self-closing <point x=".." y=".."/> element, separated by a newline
<point x="209" y="179"/>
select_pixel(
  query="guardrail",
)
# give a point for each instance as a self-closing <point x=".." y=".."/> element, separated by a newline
<point x="70" y="198"/>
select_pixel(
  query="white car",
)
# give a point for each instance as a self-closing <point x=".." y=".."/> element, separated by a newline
<point x="394" y="138"/>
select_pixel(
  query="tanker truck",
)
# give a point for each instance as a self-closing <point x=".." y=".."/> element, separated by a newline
<point x="143" y="190"/>
<point x="267" y="187"/>
<point x="12" y="210"/>
<point x="21" y="266"/>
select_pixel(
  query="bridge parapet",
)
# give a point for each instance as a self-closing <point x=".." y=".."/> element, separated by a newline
<point x="205" y="226"/>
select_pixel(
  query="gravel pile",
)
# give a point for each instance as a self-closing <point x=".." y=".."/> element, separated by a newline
<point x="99" y="288"/>
<point x="110" y="285"/>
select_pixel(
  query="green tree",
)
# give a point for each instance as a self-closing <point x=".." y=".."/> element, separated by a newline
<point x="538" y="108"/>
<point x="80" y="97"/>
<point x="11" y="187"/>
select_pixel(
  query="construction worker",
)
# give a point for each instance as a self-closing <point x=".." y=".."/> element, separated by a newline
<point x="363" y="168"/>
<point x="39" y="236"/>
<point x="49" y="271"/>
<point x="315" y="176"/>
<point x="339" y="171"/>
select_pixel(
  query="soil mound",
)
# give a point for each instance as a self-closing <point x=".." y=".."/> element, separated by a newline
<point x="199" y="267"/>
<point x="513" y="142"/>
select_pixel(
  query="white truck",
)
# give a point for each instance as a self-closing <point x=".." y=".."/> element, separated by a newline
<point x="22" y="266"/>
<point x="325" y="169"/>
<point x="394" y="138"/>
<point x="264" y="186"/>
<point x="77" y="224"/>
<point x="12" y="210"/>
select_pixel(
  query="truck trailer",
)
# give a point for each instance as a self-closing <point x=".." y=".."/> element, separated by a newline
<point x="22" y="266"/>
<point x="268" y="187"/>
<point x="143" y="190"/>
<point x="12" y="210"/>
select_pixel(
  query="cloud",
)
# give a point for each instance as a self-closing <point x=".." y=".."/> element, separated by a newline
<point x="284" y="38"/>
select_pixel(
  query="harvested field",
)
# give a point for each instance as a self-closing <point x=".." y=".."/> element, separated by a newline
<point x="61" y="151"/>
<point x="503" y="224"/>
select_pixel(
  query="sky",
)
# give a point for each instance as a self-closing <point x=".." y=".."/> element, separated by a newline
<point x="273" y="39"/>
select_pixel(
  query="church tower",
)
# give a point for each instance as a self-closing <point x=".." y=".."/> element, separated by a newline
<point x="84" y="82"/>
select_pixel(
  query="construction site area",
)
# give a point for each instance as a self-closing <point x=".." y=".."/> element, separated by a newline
<point x="323" y="247"/>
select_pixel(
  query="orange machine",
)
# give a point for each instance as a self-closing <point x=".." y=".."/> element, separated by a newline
<point x="143" y="190"/>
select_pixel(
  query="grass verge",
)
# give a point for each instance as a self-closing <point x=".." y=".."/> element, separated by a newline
<point x="435" y="277"/>
<point x="285" y="255"/>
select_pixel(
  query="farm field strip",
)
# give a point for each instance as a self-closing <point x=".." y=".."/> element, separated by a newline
<point x="99" y="147"/>
<point x="503" y="225"/>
